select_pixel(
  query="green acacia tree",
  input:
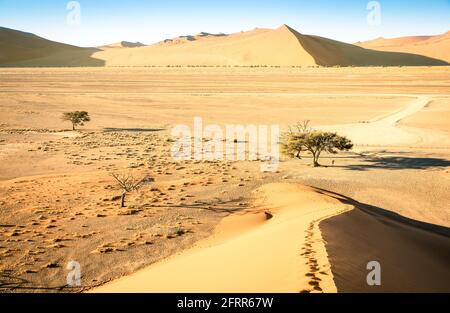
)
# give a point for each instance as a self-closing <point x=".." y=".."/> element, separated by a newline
<point x="76" y="118"/>
<point x="303" y="138"/>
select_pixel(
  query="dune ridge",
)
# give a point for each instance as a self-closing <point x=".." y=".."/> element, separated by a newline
<point x="276" y="247"/>
<point x="283" y="46"/>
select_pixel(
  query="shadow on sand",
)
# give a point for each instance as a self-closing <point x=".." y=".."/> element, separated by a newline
<point x="398" y="163"/>
<point x="218" y="206"/>
<point x="413" y="255"/>
<point x="68" y="57"/>
<point x="137" y="130"/>
<point x="10" y="282"/>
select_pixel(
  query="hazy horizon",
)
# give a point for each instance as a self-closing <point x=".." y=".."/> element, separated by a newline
<point x="106" y="22"/>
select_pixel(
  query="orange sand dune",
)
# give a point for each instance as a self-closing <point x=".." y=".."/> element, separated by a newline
<point x="283" y="46"/>
<point x="257" y="47"/>
<point x="437" y="47"/>
<point x="251" y="253"/>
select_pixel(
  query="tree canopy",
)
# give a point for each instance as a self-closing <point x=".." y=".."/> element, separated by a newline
<point x="76" y="118"/>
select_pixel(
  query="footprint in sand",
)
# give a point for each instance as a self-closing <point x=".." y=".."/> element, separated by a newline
<point x="309" y="254"/>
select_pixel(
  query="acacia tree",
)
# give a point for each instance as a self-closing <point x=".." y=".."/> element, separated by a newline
<point x="76" y="118"/>
<point x="291" y="144"/>
<point x="128" y="183"/>
<point x="315" y="142"/>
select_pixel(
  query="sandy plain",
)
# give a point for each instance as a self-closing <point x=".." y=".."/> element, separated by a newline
<point x="59" y="201"/>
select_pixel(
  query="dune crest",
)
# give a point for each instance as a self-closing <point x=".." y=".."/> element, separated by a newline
<point x="276" y="247"/>
<point x="284" y="47"/>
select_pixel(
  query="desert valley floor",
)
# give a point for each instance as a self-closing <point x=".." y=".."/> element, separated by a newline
<point x="58" y="201"/>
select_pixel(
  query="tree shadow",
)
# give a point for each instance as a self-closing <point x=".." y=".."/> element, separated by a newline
<point x="136" y="130"/>
<point x="226" y="206"/>
<point x="10" y="282"/>
<point x="399" y="163"/>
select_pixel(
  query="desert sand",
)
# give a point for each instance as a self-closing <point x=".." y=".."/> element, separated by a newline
<point x="255" y="258"/>
<point x="59" y="202"/>
<point x="384" y="130"/>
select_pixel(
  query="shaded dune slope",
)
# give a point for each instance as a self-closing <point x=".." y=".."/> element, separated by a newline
<point x="328" y="52"/>
<point x="20" y="49"/>
<point x="414" y="256"/>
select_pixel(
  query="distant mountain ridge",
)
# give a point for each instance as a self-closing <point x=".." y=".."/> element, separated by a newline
<point x="124" y="44"/>
<point x="187" y="38"/>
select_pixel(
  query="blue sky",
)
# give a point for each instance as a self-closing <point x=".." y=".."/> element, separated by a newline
<point x="148" y="21"/>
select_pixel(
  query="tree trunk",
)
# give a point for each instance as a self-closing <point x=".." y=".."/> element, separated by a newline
<point x="316" y="159"/>
<point x="73" y="126"/>
<point x="298" y="155"/>
<point x="123" y="200"/>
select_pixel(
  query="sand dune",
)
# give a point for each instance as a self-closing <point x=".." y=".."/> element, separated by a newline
<point x="276" y="247"/>
<point x="256" y="47"/>
<point x="437" y="47"/>
<point x="412" y="258"/>
<point x="280" y="247"/>
<point x="20" y="49"/>
<point x="283" y="46"/>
